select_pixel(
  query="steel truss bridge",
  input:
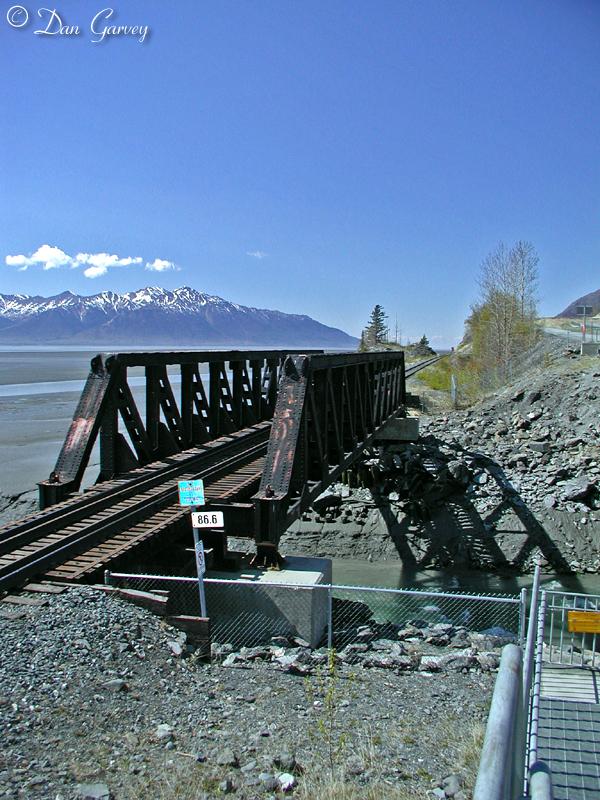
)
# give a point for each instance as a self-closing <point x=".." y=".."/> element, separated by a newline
<point x="267" y="431"/>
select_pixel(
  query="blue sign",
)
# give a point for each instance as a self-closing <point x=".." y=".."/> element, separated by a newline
<point x="191" y="493"/>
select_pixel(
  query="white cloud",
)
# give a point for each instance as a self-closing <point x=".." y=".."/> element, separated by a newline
<point x="160" y="265"/>
<point x="17" y="261"/>
<point x="260" y="254"/>
<point x="47" y="256"/>
<point x="96" y="264"/>
<point x="95" y="272"/>
<point x="105" y="260"/>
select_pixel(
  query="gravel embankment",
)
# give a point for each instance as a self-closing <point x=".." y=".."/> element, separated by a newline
<point x="92" y="693"/>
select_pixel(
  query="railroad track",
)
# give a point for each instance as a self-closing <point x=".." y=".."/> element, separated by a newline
<point x="107" y="493"/>
<point x="95" y="558"/>
<point x="126" y="511"/>
<point x="81" y="535"/>
<point x="414" y="368"/>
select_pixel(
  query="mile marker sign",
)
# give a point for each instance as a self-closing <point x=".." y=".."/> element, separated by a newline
<point x="207" y="519"/>
<point x="191" y="493"/>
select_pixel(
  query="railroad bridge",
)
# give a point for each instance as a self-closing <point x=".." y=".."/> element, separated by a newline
<point x="267" y="431"/>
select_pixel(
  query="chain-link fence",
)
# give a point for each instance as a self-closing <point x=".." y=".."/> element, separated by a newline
<point x="375" y="613"/>
<point x="251" y="613"/>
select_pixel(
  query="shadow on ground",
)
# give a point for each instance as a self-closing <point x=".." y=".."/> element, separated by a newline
<point x="454" y="533"/>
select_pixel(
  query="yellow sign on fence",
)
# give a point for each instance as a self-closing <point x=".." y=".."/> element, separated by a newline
<point x="583" y="621"/>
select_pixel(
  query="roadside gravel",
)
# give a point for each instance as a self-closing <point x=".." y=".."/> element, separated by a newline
<point x="93" y="699"/>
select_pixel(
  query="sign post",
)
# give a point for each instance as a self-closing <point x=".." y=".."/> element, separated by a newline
<point x="584" y="311"/>
<point x="191" y="493"/>
<point x="201" y="568"/>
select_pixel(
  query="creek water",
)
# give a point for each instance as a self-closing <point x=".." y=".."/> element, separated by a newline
<point x="393" y="575"/>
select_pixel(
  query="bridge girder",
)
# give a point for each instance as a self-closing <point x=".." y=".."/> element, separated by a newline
<point x="329" y="409"/>
<point x="241" y="390"/>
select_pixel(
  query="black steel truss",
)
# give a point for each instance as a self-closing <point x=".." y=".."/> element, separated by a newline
<point x="329" y="408"/>
<point x="241" y="390"/>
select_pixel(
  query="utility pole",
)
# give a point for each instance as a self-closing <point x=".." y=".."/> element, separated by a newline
<point x="397" y="332"/>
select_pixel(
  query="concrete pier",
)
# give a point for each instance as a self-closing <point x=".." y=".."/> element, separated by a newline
<point x="398" y="429"/>
<point x="590" y="348"/>
<point x="254" y="605"/>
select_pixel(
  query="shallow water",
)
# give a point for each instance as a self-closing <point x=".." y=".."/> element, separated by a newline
<point x="393" y="575"/>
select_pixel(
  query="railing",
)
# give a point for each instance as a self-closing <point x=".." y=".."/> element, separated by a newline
<point x="509" y="767"/>
<point x="539" y="783"/>
<point x="569" y="647"/>
<point x="529" y="654"/>
<point x="500" y="775"/>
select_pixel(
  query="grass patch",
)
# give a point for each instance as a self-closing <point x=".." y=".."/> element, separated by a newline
<point x="182" y="780"/>
<point x="326" y="789"/>
<point x="439" y="378"/>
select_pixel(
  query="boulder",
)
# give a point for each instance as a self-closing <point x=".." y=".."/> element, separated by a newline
<point x="93" y="791"/>
<point x="578" y="489"/>
<point x="327" y="499"/>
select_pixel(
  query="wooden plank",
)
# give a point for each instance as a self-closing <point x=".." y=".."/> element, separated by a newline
<point x="583" y="621"/>
<point x="12" y="613"/>
<point x="197" y="628"/>
<point x="23" y="600"/>
<point x="148" y="600"/>
<point x="48" y="588"/>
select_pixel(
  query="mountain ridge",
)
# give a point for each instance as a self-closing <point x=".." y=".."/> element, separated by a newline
<point x="591" y="299"/>
<point x="153" y="314"/>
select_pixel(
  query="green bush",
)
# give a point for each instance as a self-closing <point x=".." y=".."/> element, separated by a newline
<point x="466" y="373"/>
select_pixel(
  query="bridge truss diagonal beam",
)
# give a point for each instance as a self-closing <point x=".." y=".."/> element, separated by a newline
<point x="235" y="389"/>
<point x="329" y="409"/>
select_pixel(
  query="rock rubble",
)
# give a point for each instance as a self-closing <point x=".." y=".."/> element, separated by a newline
<point x="94" y="704"/>
<point x="522" y="465"/>
<point x="439" y="647"/>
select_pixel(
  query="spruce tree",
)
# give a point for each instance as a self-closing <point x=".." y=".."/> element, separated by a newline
<point x="376" y="331"/>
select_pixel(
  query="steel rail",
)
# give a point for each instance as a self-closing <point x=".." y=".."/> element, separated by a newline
<point x="85" y="506"/>
<point x="414" y="368"/>
<point x="75" y="542"/>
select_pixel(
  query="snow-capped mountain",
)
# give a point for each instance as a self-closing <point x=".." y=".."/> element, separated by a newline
<point x="153" y="315"/>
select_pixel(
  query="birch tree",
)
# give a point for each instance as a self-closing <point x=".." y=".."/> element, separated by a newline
<point x="505" y="315"/>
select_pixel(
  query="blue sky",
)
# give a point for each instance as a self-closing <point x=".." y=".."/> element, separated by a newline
<point x="316" y="157"/>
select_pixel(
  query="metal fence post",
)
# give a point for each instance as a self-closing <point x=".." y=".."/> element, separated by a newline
<point x="329" y="617"/>
<point x="522" y="614"/>
<point x="531" y="633"/>
<point x="107" y="577"/>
